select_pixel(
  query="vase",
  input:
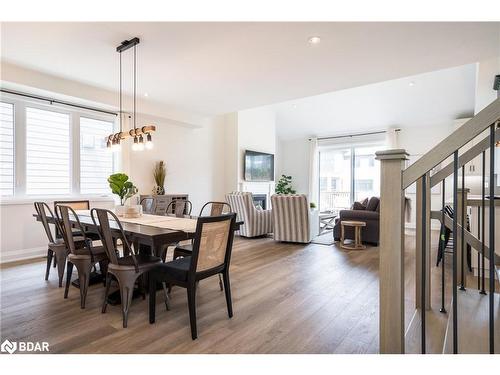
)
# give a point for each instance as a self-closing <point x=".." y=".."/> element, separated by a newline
<point x="119" y="210"/>
<point x="158" y="190"/>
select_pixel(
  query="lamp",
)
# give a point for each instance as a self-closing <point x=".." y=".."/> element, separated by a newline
<point x="113" y="141"/>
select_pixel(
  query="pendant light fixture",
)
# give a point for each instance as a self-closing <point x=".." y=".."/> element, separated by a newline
<point x="113" y="141"/>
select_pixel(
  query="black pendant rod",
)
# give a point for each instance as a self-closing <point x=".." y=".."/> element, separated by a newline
<point x="491" y="242"/>
<point x="483" y="221"/>
<point x="462" y="233"/>
<point x="121" y="128"/>
<point x="56" y="101"/>
<point x="135" y="84"/>
<point x="455" y="255"/>
<point x="423" y="260"/>
<point x="443" y="248"/>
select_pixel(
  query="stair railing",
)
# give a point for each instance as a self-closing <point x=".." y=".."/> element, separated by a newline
<point x="395" y="179"/>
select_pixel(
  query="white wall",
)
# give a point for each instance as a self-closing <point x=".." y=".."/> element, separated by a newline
<point x="294" y="161"/>
<point x="194" y="160"/>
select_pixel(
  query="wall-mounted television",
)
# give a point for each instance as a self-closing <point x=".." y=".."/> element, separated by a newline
<point x="259" y="166"/>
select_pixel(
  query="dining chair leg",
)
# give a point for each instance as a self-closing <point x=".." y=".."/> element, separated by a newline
<point x="84" y="268"/>
<point x="106" y="292"/>
<point x="61" y="263"/>
<point x="152" y="298"/>
<point x="55" y="262"/>
<point x="227" y="289"/>
<point x="126" y="283"/>
<point x="69" y="272"/>
<point x="191" y="292"/>
<point x="50" y="254"/>
<point x="166" y="292"/>
<point x="221" y="286"/>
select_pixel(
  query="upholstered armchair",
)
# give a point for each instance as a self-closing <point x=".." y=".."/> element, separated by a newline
<point x="291" y="218"/>
<point x="255" y="222"/>
<point x="368" y="212"/>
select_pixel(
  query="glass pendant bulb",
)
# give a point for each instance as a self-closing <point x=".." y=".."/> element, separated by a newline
<point x="149" y="142"/>
<point x="140" y="144"/>
<point x="135" y="145"/>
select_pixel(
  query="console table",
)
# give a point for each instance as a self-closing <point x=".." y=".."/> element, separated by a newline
<point x="162" y="201"/>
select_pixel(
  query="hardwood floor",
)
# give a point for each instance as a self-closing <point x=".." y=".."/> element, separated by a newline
<point x="287" y="298"/>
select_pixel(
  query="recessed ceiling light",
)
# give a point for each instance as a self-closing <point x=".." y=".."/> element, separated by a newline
<point x="146" y="94"/>
<point x="314" y="40"/>
<point x="411" y="84"/>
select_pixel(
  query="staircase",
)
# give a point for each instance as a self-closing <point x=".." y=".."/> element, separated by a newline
<point x="468" y="320"/>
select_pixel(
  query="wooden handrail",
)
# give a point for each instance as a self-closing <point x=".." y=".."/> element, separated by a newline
<point x="455" y="141"/>
<point x="464" y="159"/>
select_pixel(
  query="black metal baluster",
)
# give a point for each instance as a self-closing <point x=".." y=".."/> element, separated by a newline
<point x="483" y="218"/>
<point x="462" y="233"/>
<point x="443" y="310"/>
<point x="491" y="242"/>
<point x="455" y="229"/>
<point x="423" y="260"/>
<point x="478" y="255"/>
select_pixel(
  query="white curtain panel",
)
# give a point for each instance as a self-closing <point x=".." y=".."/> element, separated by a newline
<point x="313" y="170"/>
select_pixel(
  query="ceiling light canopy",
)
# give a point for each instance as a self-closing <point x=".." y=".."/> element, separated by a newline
<point x="113" y="141"/>
<point x="314" y="40"/>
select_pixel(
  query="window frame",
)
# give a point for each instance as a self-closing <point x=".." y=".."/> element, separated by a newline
<point x="20" y="149"/>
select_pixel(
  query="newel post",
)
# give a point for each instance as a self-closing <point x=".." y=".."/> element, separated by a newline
<point x="391" y="255"/>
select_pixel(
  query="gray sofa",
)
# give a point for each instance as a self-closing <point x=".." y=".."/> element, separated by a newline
<point x="368" y="212"/>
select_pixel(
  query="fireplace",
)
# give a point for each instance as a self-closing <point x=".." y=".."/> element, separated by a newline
<point x="260" y="200"/>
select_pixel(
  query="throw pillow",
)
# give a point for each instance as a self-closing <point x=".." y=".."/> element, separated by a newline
<point x="358" y="206"/>
<point x="372" y="204"/>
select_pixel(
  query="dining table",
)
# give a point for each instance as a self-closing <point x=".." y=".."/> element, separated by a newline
<point x="151" y="233"/>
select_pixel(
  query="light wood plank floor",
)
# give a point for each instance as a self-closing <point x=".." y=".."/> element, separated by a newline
<point x="287" y="298"/>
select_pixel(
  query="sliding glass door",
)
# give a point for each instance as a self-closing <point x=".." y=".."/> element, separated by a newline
<point x="347" y="174"/>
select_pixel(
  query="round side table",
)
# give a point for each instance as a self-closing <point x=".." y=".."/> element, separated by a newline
<point x="357" y="244"/>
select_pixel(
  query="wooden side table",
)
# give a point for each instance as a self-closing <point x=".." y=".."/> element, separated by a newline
<point x="357" y="244"/>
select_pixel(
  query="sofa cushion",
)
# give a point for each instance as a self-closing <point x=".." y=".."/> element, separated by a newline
<point x="373" y="203"/>
<point x="358" y="206"/>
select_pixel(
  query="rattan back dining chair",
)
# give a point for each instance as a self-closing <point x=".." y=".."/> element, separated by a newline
<point x="56" y="248"/>
<point x="211" y="256"/>
<point x="213" y="209"/>
<point x="125" y="269"/>
<point x="179" y="208"/>
<point x="83" y="258"/>
<point x="148" y="205"/>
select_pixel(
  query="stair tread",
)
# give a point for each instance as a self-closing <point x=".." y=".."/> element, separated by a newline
<point x="473" y="324"/>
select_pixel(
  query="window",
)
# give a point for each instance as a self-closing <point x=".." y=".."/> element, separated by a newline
<point x="96" y="163"/>
<point x="49" y="151"/>
<point x="353" y="173"/>
<point x="48" y="143"/>
<point x="6" y="149"/>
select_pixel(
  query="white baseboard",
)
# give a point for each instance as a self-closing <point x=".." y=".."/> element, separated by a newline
<point x="22" y="254"/>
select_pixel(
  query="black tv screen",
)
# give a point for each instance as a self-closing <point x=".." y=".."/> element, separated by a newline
<point x="259" y="166"/>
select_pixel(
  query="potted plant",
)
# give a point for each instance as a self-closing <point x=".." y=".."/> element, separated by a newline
<point x="312" y="206"/>
<point x="121" y="186"/>
<point x="159" y="174"/>
<point x="284" y="185"/>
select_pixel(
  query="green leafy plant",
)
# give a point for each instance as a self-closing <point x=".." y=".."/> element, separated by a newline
<point x="312" y="205"/>
<point x="284" y="185"/>
<point x="121" y="186"/>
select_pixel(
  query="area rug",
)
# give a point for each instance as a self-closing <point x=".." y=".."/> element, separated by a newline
<point x="324" y="239"/>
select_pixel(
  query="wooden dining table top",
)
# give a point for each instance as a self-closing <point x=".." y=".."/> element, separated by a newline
<point x="153" y="230"/>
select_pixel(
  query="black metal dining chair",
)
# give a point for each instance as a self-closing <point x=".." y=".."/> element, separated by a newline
<point x="84" y="258"/>
<point x="179" y="208"/>
<point x="211" y="256"/>
<point x="125" y="269"/>
<point x="76" y="205"/>
<point x="148" y="205"/>
<point x="56" y="248"/>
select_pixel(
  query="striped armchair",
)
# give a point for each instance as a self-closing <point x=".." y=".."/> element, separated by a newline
<point x="255" y="222"/>
<point x="291" y="218"/>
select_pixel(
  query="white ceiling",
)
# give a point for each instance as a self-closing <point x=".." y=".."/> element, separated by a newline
<point x="213" y="68"/>
<point x="427" y="99"/>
